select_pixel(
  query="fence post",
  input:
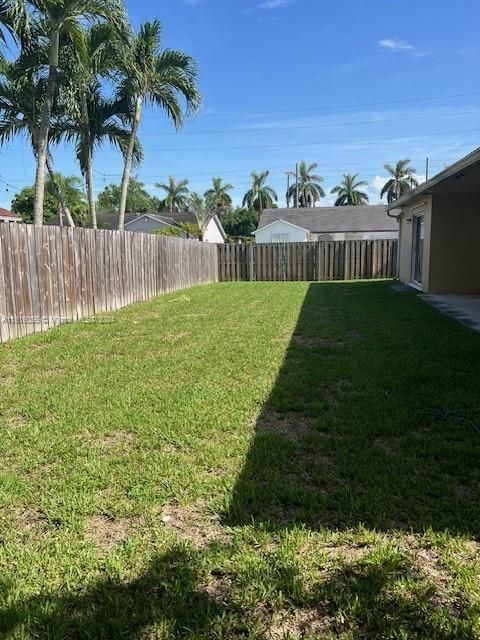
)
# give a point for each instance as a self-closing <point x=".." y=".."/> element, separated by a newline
<point x="250" y="262"/>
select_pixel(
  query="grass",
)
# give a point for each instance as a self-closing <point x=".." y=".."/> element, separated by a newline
<point x="247" y="460"/>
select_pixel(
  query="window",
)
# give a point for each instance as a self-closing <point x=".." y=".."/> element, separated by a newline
<point x="280" y="237"/>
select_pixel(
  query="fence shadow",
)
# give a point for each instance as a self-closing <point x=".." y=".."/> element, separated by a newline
<point x="371" y="420"/>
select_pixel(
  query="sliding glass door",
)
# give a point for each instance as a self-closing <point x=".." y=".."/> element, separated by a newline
<point x="417" y="253"/>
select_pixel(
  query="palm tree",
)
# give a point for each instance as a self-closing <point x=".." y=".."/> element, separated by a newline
<point x="260" y="196"/>
<point x="161" y="77"/>
<point x="401" y="180"/>
<point x="218" y="197"/>
<point x="89" y="118"/>
<point x="348" y="191"/>
<point x="21" y="95"/>
<point x="72" y="192"/>
<point x="202" y="211"/>
<point x="177" y="194"/>
<point x="102" y="123"/>
<point x="307" y="191"/>
<point x="61" y="18"/>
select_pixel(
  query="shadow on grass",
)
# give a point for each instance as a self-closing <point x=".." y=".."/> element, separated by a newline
<point x="372" y="419"/>
<point x="170" y="600"/>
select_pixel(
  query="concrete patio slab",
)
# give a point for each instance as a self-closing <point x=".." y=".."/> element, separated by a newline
<point x="464" y="309"/>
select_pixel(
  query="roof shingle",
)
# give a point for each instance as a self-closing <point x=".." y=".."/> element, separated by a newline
<point x="367" y="218"/>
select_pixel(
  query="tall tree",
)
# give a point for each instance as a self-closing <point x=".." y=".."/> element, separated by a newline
<point x="102" y="123"/>
<point x="89" y="118"/>
<point x="218" y="197"/>
<point x="307" y="190"/>
<point x="138" y="200"/>
<point x="71" y="188"/>
<point x="260" y="196"/>
<point x="401" y="180"/>
<point x="23" y="202"/>
<point x="240" y="222"/>
<point x="176" y="194"/>
<point x="61" y="18"/>
<point x="160" y="77"/>
<point x="348" y="191"/>
<point x="21" y="95"/>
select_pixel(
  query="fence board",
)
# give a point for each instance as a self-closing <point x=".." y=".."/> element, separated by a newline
<point x="309" y="261"/>
<point x="48" y="274"/>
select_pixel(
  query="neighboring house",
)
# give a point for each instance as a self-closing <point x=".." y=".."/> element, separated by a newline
<point x="151" y="222"/>
<point x="9" y="216"/>
<point x="440" y="230"/>
<point x="362" y="222"/>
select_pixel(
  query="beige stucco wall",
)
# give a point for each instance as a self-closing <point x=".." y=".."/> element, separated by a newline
<point x="406" y="240"/>
<point x="451" y="254"/>
<point x="455" y="244"/>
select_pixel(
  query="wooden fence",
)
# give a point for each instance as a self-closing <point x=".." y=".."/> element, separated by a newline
<point x="51" y="275"/>
<point x="314" y="261"/>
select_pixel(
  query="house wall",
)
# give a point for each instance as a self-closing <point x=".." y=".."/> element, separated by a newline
<point x="406" y="240"/>
<point x="213" y="234"/>
<point x="451" y="254"/>
<point x="455" y="244"/>
<point x="144" y="224"/>
<point x="278" y="228"/>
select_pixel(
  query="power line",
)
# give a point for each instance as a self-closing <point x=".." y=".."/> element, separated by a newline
<point x="309" y="126"/>
<point x="288" y="144"/>
<point x="338" y="69"/>
<point x="327" y="107"/>
<point x="301" y="144"/>
<point x="231" y="173"/>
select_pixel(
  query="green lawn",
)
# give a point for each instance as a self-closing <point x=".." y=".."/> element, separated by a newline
<point x="244" y="460"/>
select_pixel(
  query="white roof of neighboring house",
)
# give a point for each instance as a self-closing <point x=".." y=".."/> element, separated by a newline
<point x="348" y="219"/>
<point x="290" y="224"/>
<point x="463" y="175"/>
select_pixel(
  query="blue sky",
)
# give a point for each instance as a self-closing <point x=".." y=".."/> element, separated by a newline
<point x="349" y="85"/>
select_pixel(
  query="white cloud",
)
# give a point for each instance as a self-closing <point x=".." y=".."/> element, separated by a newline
<point x="275" y="4"/>
<point x="394" y="45"/>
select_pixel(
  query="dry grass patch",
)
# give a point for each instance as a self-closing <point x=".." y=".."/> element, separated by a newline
<point x="427" y="564"/>
<point x="175" y="337"/>
<point x="195" y="523"/>
<point x="16" y="421"/>
<point x="106" y="532"/>
<point x="118" y="440"/>
<point x="217" y="587"/>
<point x="291" y="425"/>
<point x="30" y="520"/>
<point x="302" y="623"/>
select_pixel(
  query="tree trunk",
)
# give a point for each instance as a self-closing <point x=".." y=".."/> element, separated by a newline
<point x="89" y="163"/>
<point x="60" y="197"/>
<point x="128" y="163"/>
<point x="90" y="191"/>
<point x="44" y="130"/>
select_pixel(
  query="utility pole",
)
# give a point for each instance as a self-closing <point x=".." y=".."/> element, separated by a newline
<point x="288" y="189"/>
<point x="296" y="185"/>
<point x="426" y="169"/>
